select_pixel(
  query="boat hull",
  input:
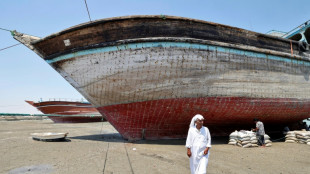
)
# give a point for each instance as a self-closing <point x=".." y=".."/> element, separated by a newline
<point x="65" y="108"/>
<point x="68" y="111"/>
<point x="170" y="118"/>
<point x="149" y="75"/>
<point x="185" y="74"/>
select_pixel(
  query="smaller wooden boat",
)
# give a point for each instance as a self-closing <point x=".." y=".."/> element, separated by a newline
<point x="62" y="111"/>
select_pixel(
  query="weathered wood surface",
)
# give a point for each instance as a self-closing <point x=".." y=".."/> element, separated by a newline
<point x="158" y="73"/>
<point x="157" y="90"/>
<point x="108" y="31"/>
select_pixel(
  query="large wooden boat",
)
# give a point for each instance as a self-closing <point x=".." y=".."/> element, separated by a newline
<point x="149" y="75"/>
<point x="61" y="111"/>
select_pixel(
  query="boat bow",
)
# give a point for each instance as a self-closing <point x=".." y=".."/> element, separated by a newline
<point x="26" y="40"/>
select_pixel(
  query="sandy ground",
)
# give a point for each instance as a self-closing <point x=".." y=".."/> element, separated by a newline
<point x="98" y="148"/>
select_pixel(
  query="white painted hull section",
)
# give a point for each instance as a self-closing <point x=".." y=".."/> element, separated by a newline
<point x="143" y="74"/>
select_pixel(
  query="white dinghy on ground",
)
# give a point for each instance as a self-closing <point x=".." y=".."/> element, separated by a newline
<point x="49" y="136"/>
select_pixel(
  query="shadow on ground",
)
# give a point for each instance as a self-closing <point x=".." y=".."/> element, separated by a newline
<point x="113" y="137"/>
<point x="214" y="141"/>
<point x="116" y="137"/>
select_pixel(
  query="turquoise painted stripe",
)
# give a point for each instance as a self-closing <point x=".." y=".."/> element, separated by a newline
<point x="178" y="45"/>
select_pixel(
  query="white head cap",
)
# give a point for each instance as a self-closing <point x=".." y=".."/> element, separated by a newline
<point x="198" y="116"/>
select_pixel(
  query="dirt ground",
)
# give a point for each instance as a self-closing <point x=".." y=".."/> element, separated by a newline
<point x="98" y="148"/>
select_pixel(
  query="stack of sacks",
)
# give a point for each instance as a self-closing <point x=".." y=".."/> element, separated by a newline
<point x="253" y="140"/>
<point x="246" y="139"/>
<point x="290" y="137"/>
<point x="267" y="140"/>
<point x="233" y="138"/>
<point x="303" y="137"/>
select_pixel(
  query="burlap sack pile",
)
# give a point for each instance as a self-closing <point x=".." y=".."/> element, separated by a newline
<point x="303" y="137"/>
<point x="290" y="137"/>
<point x="246" y="139"/>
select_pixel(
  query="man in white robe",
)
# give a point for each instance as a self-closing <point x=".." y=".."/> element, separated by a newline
<point x="198" y="143"/>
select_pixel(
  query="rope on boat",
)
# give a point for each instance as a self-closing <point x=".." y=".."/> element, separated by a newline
<point x="291" y="48"/>
<point x="9" y="47"/>
<point x="87" y="10"/>
<point x="5" y="29"/>
<point x="12" y="33"/>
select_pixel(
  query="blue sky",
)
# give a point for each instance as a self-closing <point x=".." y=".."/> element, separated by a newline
<point x="25" y="76"/>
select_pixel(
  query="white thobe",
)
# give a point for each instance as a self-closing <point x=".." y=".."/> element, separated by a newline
<point x="197" y="141"/>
